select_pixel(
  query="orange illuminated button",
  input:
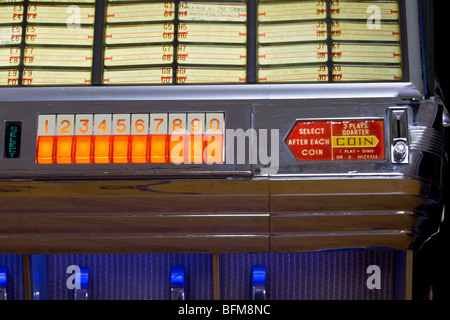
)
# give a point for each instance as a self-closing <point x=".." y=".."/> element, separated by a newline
<point x="139" y="148"/>
<point x="139" y="138"/>
<point x="102" y="138"/>
<point x="158" y="149"/>
<point x="120" y="145"/>
<point x="83" y="138"/>
<point x="83" y="149"/>
<point x="214" y="138"/>
<point x="196" y="129"/>
<point x="102" y="146"/>
<point x="45" y="147"/>
<point x="177" y="138"/>
<point x="121" y="138"/>
<point x="64" y="147"/>
<point x="158" y="152"/>
<point x="65" y="124"/>
<point x="46" y="139"/>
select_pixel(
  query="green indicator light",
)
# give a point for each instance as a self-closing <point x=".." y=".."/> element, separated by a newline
<point x="13" y="133"/>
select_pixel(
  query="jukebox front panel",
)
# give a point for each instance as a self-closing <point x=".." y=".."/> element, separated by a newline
<point x="217" y="128"/>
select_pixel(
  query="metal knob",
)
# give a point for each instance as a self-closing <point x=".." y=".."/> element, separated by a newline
<point x="400" y="150"/>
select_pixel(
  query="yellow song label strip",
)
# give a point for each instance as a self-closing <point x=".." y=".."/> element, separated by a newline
<point x="186" y="75"/>
<point x="288" y="11"/>
<point x="293" y="32"/>
<point x="10" y="35"/>
<point x="370" y="53"/>
<point x="138" y="76"/>
<point x="317" y="73"/>
<point x="364" y="10"/>
<point x="58" y="57"/>
<point x="363" y="32"/>
<point x="148" y="55"/>
<point x="9" y="77"/>
<point x="66" y="1"/>
<point x="215" y="11"/>
<point x="9" y="57"/>
<point x="11" y="14"/>
<point x="70" y="15"/>
<point x="140" y="34"/>
<point x="366" y="73"/>
<point x="12" y="1"/>
<point x="212" y="33"/>
<point x="292" y="54"/>
<point x="55" y="77"/>
<point x="161" y="11"/>
<point x="59" y="35"/>
<point x="212" y="55"/>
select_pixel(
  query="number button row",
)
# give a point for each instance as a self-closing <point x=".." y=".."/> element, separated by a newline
<point x="130" y="138"/>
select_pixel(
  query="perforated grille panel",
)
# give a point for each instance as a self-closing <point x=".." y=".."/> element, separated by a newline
<point x="337" y="275"/>
<point x="132" y="277"/>
<point x="15" y="276"/>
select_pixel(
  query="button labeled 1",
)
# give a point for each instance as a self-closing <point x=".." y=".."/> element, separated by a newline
<point x="46" y="139"/>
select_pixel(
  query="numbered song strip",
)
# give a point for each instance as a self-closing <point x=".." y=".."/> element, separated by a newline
<point x="57" y="57"/>
<point x="186" y="75"/>
<point x="215" y="11"/>
<point x="139" y="34"/>
<point x="293" y="74"/>
<point x="212" y="55"/>
<point x="66" y="1"/>
<point x="288" y="11"/>
<point x="292" y="32"/>
<point x="148" y="55"/>
<point x="139" y="76"/>
<point x="367" y="53"/>
<point x="292" y="54"/>
<point x="10" y="35"/>
<point x="212" y="33"/>
<point x="366" y="73"/>
<point x="60" y="14"/>
<point x="356" y="31"/>
<point x="11" y="14"/>
<point x="9" y="57"/>
<point x="59" y="36"/>
<point x="9" y="77"/>
<point x="364" y="10"/>
<point x="162" y="11"/>
<point x="38" y="77"/>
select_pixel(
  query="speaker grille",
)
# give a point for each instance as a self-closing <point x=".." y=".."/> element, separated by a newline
<point x="336" y="275"/>
<point x="132" y="277"/>
<point x="15" y="276"/>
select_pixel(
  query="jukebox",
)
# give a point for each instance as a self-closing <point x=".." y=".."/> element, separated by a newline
<point x="226" y="150"/>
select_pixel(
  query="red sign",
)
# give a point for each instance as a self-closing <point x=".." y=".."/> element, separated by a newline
<point x="337" y="140"/>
